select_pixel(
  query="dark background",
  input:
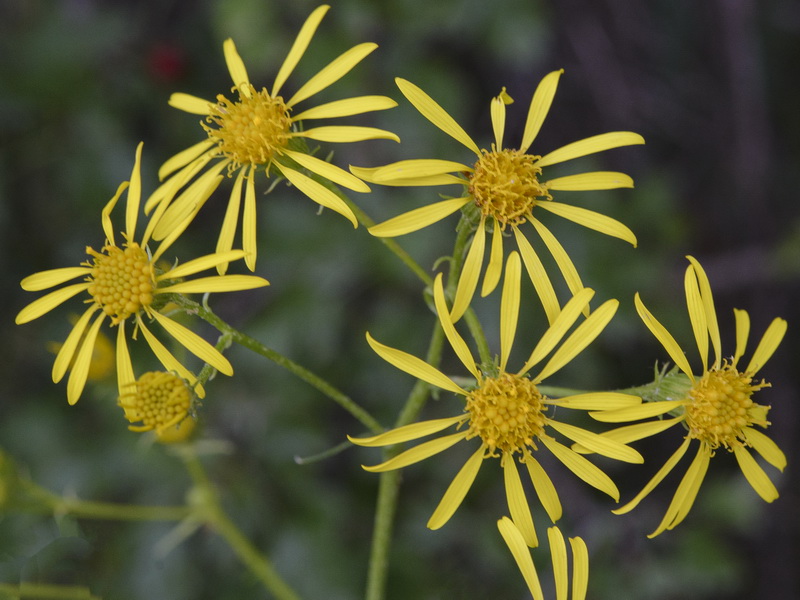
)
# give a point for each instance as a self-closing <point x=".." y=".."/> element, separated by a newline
<point x="711" y="85"/>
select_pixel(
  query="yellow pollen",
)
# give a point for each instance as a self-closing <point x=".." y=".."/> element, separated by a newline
<point x="505" y="185"/>
<point x="122" y="282"/>
<point x="159" y="401"/>
<point x="722" y="406"/>
<point x="507" y="413"/>
<point x="251" y="130"/>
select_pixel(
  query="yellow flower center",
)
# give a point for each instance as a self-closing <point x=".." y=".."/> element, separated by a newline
<point x="122" y="282"/>
<point x="722" y="406"/>
<point x="159" y="401"/>
<point x="251" y="130"/>
<point x="505" y="185"/>
<point x="507" y="413"/>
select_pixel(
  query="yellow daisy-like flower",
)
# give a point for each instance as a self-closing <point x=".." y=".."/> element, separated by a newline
<point x="123" y="284"/>
<point x="505" y="411"/>
<point x="158" y="400"/>
<point x="558" y="552"/>
<point x="258" y="130"/>
<point x="506" y="186"/>
<point x="718" y="409"/>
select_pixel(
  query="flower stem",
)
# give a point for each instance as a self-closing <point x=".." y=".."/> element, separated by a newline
<point x="301" y="372"/>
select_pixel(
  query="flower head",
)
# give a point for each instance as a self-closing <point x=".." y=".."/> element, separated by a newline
<point x="122" y="285"/>
<point x="558" y="552"/>
<point x="158" y="400"/>
<point x="718" y="409"/>
<point x="507" y="188"/>
<point x="256" y="130"/>
<point x="505" y="411"/>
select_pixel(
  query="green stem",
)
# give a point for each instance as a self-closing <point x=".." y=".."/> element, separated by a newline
<point x="301" y="372"/>
<point x="211" y="511"/>
<point x="122" y="512"/>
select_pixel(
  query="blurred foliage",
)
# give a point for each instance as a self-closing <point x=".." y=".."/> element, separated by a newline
<point x="709" y="85"/>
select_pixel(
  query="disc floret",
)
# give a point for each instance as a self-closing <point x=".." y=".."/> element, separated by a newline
<point x="250" y="131"/>
<point x="722" y="407"/>
<point x="507" y="413"/>
<point x="122" y="281"/>
<point x="505" y="185"/>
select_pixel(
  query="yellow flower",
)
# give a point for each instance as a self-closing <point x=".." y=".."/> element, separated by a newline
<point x="718" y="410"/>
<point x="123" y="284"/>
<point x="160" y="401"/>
<point x="259" y="129"/>
<point x="505" y="411"/>
<point x="558" y="552"/>
<point x="505" y="185"/>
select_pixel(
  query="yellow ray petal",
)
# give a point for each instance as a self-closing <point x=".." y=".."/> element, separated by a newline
<point x="332" y="72"/>
<point x="697" y="315"/>
<point x="509" y="308"/>
<point x="580" y="568"/>
<point x="328" y="171"/>
<point x="766" y="447"/>
<point x="657" y="478"/>
<point x="457" y="490"/>
<point x="596" y="180"/>
<point x="231" y="220"/>
<point x="592" y="220"/>
<point x="755" y="475"/>
<point x="236" y="68"/>
<point x="250" y="220"/>
<point x="517" y="502"/>
<point x="470" y="273"/>
<point x="419" y="218"/>
<point x="435" y="113"/>
<point x="203" y="263"/>
<point x="767" y="346"/>
<point x="407" y="432"/>
<point x="414" y="366"/>
<point x="598" y="401"/>
<point x="343" y="134"/>
<point x="67" y="350"/>
<point x="495" y="266"/>
<point x="190" y="104"/>
<point x="597" y="443"/>
<point x="134" y="195"/>
<point x="544" y="488"/>
<point x="346" y="108"/>
<point x="634" y="413"/>
<point x="411" y="169"/>
<point x="664" y="337"/>
<point x="194" y="344"/>
<point x="318" y="193"/>
<point x="168" y="360"/>
<point x="125" y="376"/>
<point x="83" y="359"/>
<point x="498" y="115"/>
<point x="538" y="276"/>
<point x="708" y="304"/>
<point x="163" y="195"/>
<point x="216" y="283"/>
<point x="418" y="453"/>
<point x="182" y="158"/>
<point x="582" y="467"/>
<point x="686" y="493"/>
<point x="105" y="214"/>
<point x="742" y="333"/>
<point x="564" y="262"/>
<point x="540" y="106"/>
<point x="456" y="341"/>
<point x="46" y="303"/>
<point x="298" y="47"/>
<point x="583" y="335"/>
<point x="522" y="556"/>
<point x="51" y="278"/>
<point x="558" y="554"/>
<point x="632" y="433"/>
<point x="562" y="323"/>
<point x="590" y="145"/>
<point x="368" y="174"/>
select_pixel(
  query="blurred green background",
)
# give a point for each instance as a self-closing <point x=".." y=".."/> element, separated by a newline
<point x="713" y="88"/>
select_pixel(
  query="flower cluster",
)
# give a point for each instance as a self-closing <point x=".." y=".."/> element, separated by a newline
<point x="133" y="284"/>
